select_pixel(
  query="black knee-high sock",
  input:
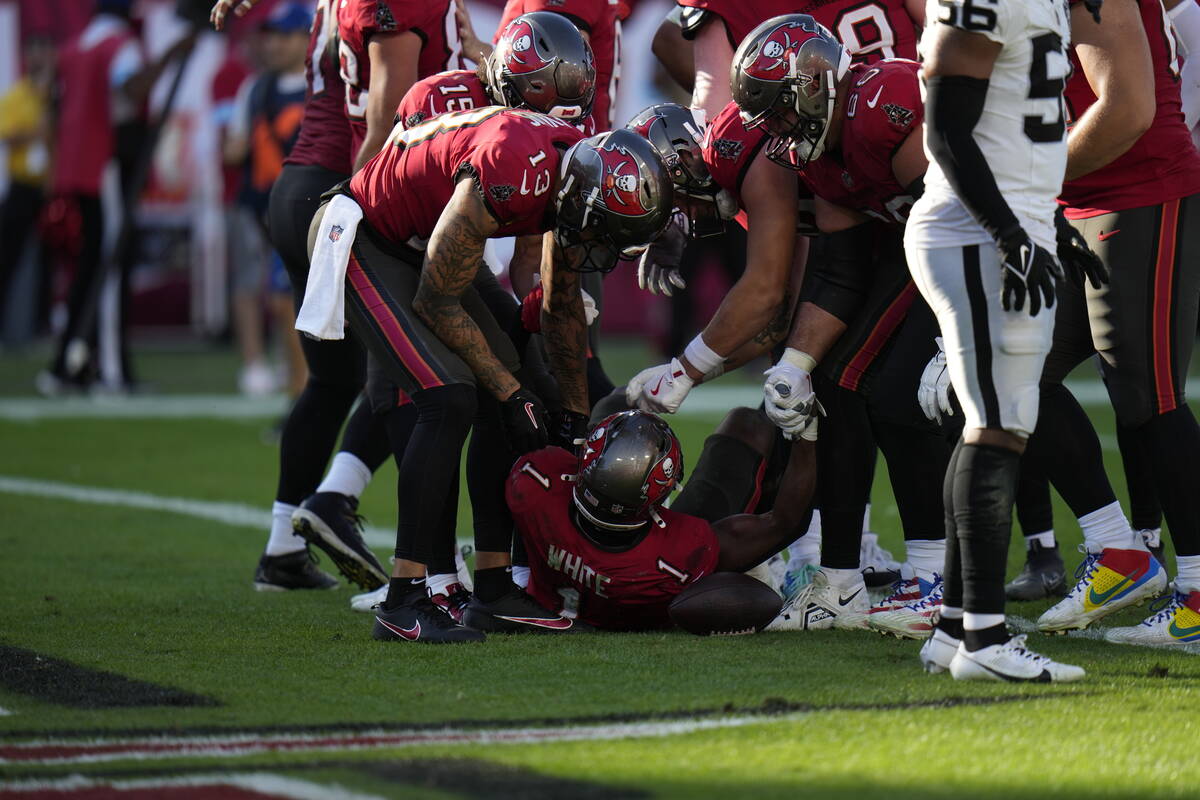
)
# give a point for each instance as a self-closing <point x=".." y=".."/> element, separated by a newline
<point x="985" y="485"/>
<point x="1065" y="446"/>
<point x="917" y="459"/>
<point x="488" y="463"/>
<point x="309" y="436"/>
<point x="367" y="437"/>
<point x="1144" y="508"/>
<point x="1172" y="443"/>
<point x="952" y="588"/>
<point x="428" y="466"/>
<point x="845" y="465"/>
<point x="1035" y="514"/>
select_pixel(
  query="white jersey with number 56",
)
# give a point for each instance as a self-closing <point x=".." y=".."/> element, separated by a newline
<point x="1022" y="132"/>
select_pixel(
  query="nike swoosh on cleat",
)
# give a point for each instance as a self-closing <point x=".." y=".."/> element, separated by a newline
<point x="558" y="623"/>
<point x="1182" y="633"/>
<point x="1108" y="235"/>
<point x="871" y="103"/>
<point x="845" y="600"/>
<point x="411" y="634"/>
<point x="1099" y="599"/>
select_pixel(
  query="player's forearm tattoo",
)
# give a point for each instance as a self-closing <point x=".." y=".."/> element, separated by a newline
<point x="777" y="328"/>
<point x="451" y="262"/>
<point x="565" y="331"/>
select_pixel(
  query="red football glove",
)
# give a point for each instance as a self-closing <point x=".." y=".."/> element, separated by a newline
<point x="531" y="310"/>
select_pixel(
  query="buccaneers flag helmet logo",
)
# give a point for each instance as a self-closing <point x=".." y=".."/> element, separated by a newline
<point x="619" y="189"/>
<point x="779" y="51"/>
<point x="522" y="54"/>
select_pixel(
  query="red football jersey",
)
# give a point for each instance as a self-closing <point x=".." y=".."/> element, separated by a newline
<point x="456" y="90"/>
<point x="1163" y="164"/>
<point x="623" y="590"/>
<point x="870" y="31"/>
<point x="730" y="148"/>
<point x="325" y="139"/>
<point x="602" y="21"/>
<point x="359" y="20"/>
<point x="513" y="155"/>
<point x="882" y="108"/>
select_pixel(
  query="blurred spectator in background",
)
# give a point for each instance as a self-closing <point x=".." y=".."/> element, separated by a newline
<point x="103" y="81"/>
<point x="264" y="126"/>
<point x="25" y="129"/>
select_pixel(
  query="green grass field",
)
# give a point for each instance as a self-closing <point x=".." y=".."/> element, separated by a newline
<point x="166" y="598"/>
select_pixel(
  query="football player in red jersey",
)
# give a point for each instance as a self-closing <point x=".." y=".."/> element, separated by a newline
<point x="601" y="546"/>
<point x="320" y="159"/>
<point x="1131" y="192"/>
<point x="444" y="187"/>
<point x="385" y="47"/>
<point x="869" y="31"/>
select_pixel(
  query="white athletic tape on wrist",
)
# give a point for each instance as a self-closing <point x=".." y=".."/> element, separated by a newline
<point x="799" y="359"/>
<point x="701" y="356"/>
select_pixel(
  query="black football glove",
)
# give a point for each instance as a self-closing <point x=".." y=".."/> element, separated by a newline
<point x="1029" y="270"/>
<point x="1077" y="259"/>
<point x="1094" y="7"/>
<point x="567" y="429"/>
<point x="524" y="420"/>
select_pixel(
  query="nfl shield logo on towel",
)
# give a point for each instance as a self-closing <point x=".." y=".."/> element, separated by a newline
<point x="335" y="232"/>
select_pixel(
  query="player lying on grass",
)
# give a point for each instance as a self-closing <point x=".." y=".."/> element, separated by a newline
<point x="601" y="546"/>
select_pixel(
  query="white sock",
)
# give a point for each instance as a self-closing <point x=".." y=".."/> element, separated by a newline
<point x="283" y="540"/>
<point x="1045" y="539"/>
<point x="520" y="576"/>
<point x="950" y="612"/>
<point x="347" y="475"/>
<point x="867" y="519"/>
<point x="842" y="578"/>
<point x="437" y="584"/>
<point x="927" y="556"/>
<point x="979" y="622"/>
<point x="1107" y="527"/>
<point x="1188" y="579"/>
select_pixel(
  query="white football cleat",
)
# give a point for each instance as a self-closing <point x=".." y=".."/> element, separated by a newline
<point x="938" y="651"/>
<point x="1010" y="661"/>
<point x="1174" y="623"/>
<point x="819" y="605"/>
<point x="1106" y="582"/>
<point x="367" y="601"/>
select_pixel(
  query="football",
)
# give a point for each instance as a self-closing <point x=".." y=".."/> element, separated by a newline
<point x="725" y="604"/>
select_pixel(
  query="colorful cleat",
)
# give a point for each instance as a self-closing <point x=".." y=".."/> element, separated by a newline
<point x="1042" y="576"/>
<point x="330" y="521"/>
<point x="454" y="602"/>
<point x="938" y="651"/>
<point x="1011" y="662"/>
<point x="908" y="589"/>
<point x="291" y="571"/>
<point x="419" y="620"/>
<point x="912" y="620"/>
<point x="1106" y="582"/>
<point x="818" y="605"/>
<point x="1174" y="623"/>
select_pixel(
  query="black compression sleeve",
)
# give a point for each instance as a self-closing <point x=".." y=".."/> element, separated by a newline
<point x="840" y="272"/>
<point x="953" y="106"/>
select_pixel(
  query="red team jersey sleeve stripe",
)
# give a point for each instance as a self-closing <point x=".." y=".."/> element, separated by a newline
<point x="889" y="321"/>
<point x="1164" y="278"/>
<point x="388" y="324"/>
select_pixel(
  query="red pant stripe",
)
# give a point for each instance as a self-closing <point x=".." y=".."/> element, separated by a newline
<point x="1164" y="278"/>
<point x="888" y="323"/>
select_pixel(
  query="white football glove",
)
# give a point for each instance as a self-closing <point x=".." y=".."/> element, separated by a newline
<point x="789" y="398"/>
<point x="659" y="389"/>
<point x="933" y="393"/>
<point x="658" y="268"/>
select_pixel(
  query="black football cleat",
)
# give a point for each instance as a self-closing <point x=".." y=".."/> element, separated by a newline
<point x="291" y="571"/>
<point x="419" y="620"/>
<point x="517" y="612"/>
<point x="454" y="602"/>
<point x="1153" y="539"/>
<point x="1042" y="576"/>
<point x="330" y="521"/>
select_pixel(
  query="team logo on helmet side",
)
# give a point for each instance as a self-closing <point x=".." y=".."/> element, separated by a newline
<point x="779" y="49"/>
<point x="663" y="476"/>
<point x="522" y="54"/>
<point x="619" y="190"/>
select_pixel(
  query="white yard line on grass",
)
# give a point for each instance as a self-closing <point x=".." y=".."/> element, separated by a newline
<point x="704" y="400"/>
<point x="4" y="712"/>
<point x="235" y="514"/>
<point x="97" y="749"/>
<point x="266" y="784"/>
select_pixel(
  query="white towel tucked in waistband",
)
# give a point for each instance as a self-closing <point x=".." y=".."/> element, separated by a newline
<point x="323" y="314"/>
